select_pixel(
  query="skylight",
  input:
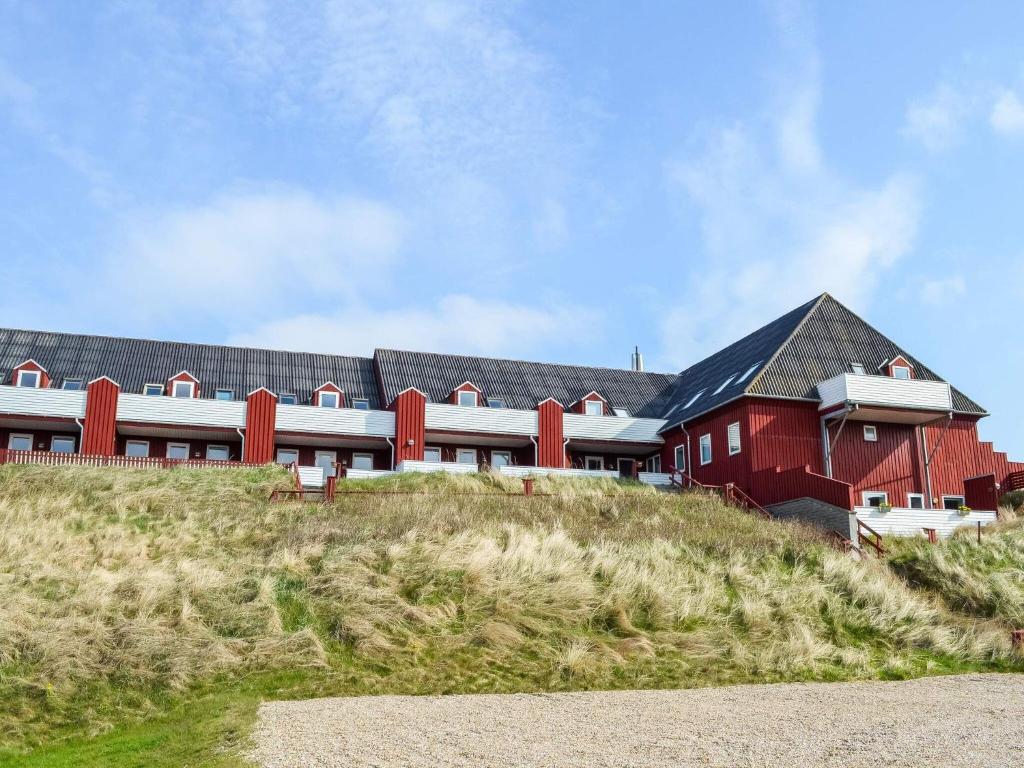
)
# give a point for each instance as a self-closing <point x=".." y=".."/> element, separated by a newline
<point x="693" y="400"/>
<point x="749" y="371"/>
<point x="724" y="384"/>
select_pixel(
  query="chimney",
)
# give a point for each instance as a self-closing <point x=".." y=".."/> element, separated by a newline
<point x="637" y="363"/>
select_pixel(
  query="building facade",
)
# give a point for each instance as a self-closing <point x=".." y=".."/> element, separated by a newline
<point x="815" y="405"/>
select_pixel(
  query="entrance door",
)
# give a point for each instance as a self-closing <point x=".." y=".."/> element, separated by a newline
<point x="326" y="460"/>
<point x="626" y="467"/>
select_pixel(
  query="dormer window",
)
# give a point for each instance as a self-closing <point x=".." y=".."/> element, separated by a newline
<point x="29" y="379"/>
<point x="858" y="369"/>
<point x="901" y="372"/>
<point x="467" y="399"/>
<point x="73" y="384"/>
<point x="287" y="399"/>
<point x="495" y="402"/>
<point x="360" y="403"/>
<point x="329" y="399"/>
<point x="184" y="389"/>
<point x="153" y="390"/>
<point x="224" y="394"/>
<point x="622" y="412"/>
<point x="593" y="408"/>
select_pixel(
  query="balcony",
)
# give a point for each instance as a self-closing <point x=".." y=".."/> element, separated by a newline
<point x="880" y="398"/>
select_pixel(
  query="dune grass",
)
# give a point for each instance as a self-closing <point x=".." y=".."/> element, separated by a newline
<point x="146" y="613"/>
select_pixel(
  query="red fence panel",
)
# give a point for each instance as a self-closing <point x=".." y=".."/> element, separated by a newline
<point x="774" y="486"/>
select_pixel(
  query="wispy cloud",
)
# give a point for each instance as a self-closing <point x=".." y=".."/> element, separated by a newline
<point x="1007" y="115"/>
<point x="939" y="291"/>
<point x="937" y="120"/>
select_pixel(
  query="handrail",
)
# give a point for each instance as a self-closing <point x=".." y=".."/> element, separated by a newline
<point x="742" y="499"/>
<point x="862" y="538"/>
<point x="731" y="493"/>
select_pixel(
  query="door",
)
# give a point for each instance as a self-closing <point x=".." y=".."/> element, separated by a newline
<point x="626" y="467"/>
<point x="326" y="461"/>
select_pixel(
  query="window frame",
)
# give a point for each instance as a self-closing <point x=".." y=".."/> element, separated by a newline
<point x="910" y="500"/>
<point x="725" y="384"/>
<point x="361" y="403"/>
<point x="283" y="396"/>
<point x="183" y="382"/>
<point x="960" y="496"/>
<point x="186" y="446"/>
<point x="462" y="393"/>
<point x="227" y="452"/>
<point x="738" y="447"/>
<point x="55" y="438"/>
<point x="230" y="394"/>
<point x="873" y="432"/>
<point x="432" y="449"/>
<point x="80" y="382"/>
<point x="459" y="452"/>
<point x="128" y="443"/>
<point x="13" y="435"/>
<point x="598" y="459"/>
<point x="588" y="404"/>
<point x="496" y="402"/>
<point x="866" y="497"/>
<point x="654" y="464"/>
<point x="705" y="440"/>
<point x="362" y="455"/>
<point x="694" y="399"/>
<point x="858" y="369"/>
<point x="676" y="454"/>
<point x="279" y="451"/>
<point x="328" y="393"/>
<point x="26" y="372"/>
<point x="506" y="454"/>
<point x="158" y="387"/>
<point x="894" y="368"/>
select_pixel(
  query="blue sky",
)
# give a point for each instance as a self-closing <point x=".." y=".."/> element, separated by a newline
<point x="546" y="180"/>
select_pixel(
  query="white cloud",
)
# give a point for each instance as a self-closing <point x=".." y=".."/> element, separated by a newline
<point x="254" y="252"/>
<point x="937" y="120"/>
<point x="457" y="324"/>
<point x="942" y="290"/>
<point x="1007" y="116"/>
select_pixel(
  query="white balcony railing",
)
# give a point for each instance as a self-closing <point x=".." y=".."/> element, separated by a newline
<point x="612" y="428"/>
<point x="886" y="392"/>
<point x="181" y="411"/>
<point x="52" y="403"/>
<point x="334" y="421"/>
<point x="496" y="421"/>
<point x="901" y="521"/>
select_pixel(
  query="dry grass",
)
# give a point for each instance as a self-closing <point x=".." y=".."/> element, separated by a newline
<point x="124" y="588"/>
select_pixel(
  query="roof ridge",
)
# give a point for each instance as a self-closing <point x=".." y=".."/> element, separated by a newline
<point x="527" y="362"/>
<point x="778" y="350"/>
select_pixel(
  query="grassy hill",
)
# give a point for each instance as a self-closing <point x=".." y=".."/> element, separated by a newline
<point x="145" y="614"/>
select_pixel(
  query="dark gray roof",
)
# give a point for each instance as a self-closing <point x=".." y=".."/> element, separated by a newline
<point x="133" y="363"/>
<point x="519" y="383"/>
<point x="828" y="339"/>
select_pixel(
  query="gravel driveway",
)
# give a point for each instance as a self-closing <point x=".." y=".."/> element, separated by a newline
<point x="970" y="720"/>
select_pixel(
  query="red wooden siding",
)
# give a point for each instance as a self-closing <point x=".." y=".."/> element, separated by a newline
<point x="550" y="438"/>
<point x="772" y="486"/>
<point x="260" y="418"/>
<point x="466" y="386"/>
<point x="899" y="361"/>
<point x="328" y="387"/>
<point x="99" y="428"/>
<point x="981" y="492"/>
<point x="580" y="405"/>
<point x="962" y="455"/>
<point x="784" y="434"/>
<point x="183" y="376"/>
<point x="196" y="448"/>
<point x="31" y="365"/>
<point x="892" y="464"/>
<point x="410" y="409"/>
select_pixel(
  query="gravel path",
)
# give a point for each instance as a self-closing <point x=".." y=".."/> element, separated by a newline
<point x="971" y="720"/>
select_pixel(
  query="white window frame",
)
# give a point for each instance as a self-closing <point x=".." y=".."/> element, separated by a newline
<point x="495" y="402"/>
<point x="227" y="452"/>
<point x="459" y="453"/>
<point x="277" y="456"/>
<point x="21" y="377"/>
<point x="598" y="459"/>
<point x="357" y="456"/>
<point x="705" y="441"/>
<point x="911" y="497"/>
<point x="680" y="450"/>
<point x="654" y="463"/>
<point x="186" y="446"/>
<point x="870" y="433"/>
<point x="361" y="403"/>
<point x="183" y="382"/>
<point x="858" y="369"/>
<point x="230" y="394"/>
<point x="62" y="438"/>
<point x="15" y="435"/>
<point x="866" y="497"/>
<point x="79" y="382"/>
<point x="733" y="430"/>
<point x="589" y="404"/>
<point x="158" y="387"/>
<point x="328" y="393"/>
<point x="136" y="442"/>
<point x="432" y="449"/>
<point x="960" y="496"/>
<point x="507" y="456"/>
<point x="283" y="395"/>
<point x="906" y="368"/>
<point x="465" y="394"/>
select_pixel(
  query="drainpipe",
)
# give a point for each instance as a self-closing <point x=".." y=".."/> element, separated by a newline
<point x="689" y="459"/>
<point x="565" y="444"/>
<point x="81" y="433"/>
<point x="536" y="451"/>
<point x="392" y="451"/>
<point x="241" y="436"/>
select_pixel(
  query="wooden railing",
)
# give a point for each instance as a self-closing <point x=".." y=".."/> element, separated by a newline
<point x="868" y="536"/>
<point x="730" y="492"/>
<point x="51" y="458"/>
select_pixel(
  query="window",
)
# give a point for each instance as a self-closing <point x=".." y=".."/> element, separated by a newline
<point x="467" y="399"/>
<point x="28" y="379"/>
<point x="724" y="384"/>
<point x="75" y="384"/>
<point x="734" y="438"/>
<point x="693" y="400"/>
<point x="953" y="502"/>
<point x="218" y="453"/>
<point x="705" y="449"/>
<point x="224" y="394"/>
<point x="622" y="412"/>
<point x="900" y="372"/>
<point x="749" y="371"/>
<point x="915" y="500"/>
<point x="875" y="498"/>
<point x="360" y="403"/>
<point x="593" y="408"/>
<point x="287" y="456"/>
<point x="288" y="399"/>
<point x="362" y="461"/>
<point x="183" y="388"/>
<point x="433" y="455"/>
<point x="500" y="459"/>
<point x="177" y="450"/>
<point x="137" y="448"/>
<point x="19" y="442"/>
<point x="62" y="445"/>
<point x="858" y="369"/>
<point x="153" y="390"/>
<point x="328" y="399"/>
<point x="870" y="433"/>
<point x="594" y="463"/>
<point x="680" y="456"/>
<point x="654" y="464"/>
<point x="466" y="456"/>
<point x="495" y="402"/>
